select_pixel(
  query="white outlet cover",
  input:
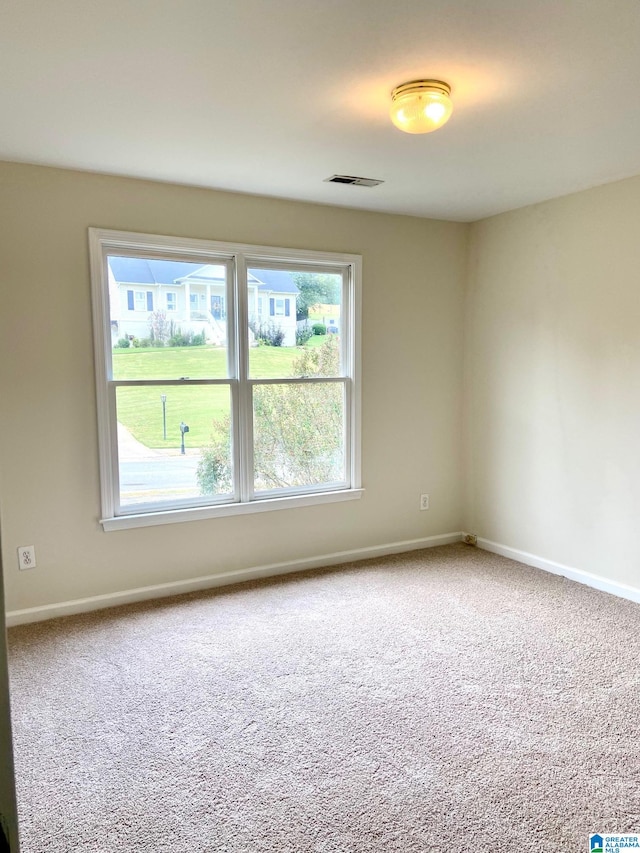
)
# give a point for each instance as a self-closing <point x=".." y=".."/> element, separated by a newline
<point x="26" y="557"/>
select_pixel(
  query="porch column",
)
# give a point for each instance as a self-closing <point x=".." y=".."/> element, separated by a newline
<point x="187" y="300"/>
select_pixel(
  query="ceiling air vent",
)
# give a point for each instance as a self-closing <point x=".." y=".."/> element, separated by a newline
<point x="350" y="179"/>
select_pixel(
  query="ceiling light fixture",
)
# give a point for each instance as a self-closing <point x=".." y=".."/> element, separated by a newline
<point x="421" y="106"/>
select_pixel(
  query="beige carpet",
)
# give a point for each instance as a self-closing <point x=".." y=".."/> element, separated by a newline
<point x="440" y="700"/>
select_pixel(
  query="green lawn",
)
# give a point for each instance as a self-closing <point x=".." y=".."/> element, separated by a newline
<point x="206" y="362"/>
<point x="316" y="341"/>
<point x="140" y="409"/>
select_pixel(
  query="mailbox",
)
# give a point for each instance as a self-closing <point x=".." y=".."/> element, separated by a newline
<point x="183" y="429"/>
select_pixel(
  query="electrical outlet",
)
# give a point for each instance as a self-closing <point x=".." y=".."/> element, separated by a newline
<point x="26" y="557"/>
<point x="424" y="502"/>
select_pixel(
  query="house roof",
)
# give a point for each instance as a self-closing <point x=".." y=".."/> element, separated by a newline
<point x="276" y="280"/>
<point x="144" y="271"/>
<point x="148" y="271"/>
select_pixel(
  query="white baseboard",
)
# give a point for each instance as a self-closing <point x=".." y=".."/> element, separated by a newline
<point x="596" y="581"/>
<point x="98" y="602"/>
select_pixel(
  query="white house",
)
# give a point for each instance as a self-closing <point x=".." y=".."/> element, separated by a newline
<point x="193" y="296"/>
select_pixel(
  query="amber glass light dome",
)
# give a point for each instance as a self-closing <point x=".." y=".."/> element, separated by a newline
<point x="421" y="106"/>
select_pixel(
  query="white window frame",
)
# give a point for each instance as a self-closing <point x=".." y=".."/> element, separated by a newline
<point x="171" y="298"/>
<point x="238" y="257"/>
<point x="139" y="296"/>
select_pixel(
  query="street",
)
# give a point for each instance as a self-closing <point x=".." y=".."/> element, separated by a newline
<point x="158" y="477"/>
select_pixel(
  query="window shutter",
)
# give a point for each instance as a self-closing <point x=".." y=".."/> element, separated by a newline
<point x="149" y="300"/>
<point x="130" y="300"/>
<point x="272" y="307"/>
<point x="287" y="310"/>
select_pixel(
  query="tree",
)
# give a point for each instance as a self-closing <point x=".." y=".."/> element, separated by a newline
<point x="323" y="288"/>
<point x="158" y="328"/>
<point x="298" y="430"/>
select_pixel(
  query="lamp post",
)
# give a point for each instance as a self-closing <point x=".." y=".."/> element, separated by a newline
<point x="183" y="429"/>
<point x="163" y="397"/>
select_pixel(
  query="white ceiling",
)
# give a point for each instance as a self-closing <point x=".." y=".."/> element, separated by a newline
<point x="273" y="96"/>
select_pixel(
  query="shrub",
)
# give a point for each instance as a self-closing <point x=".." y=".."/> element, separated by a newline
<point x="276" y="337"/>
<point x="319" y="329"/>
<point x="186" y="339"/>
<point x="267" y="333"/>
<point x="303" y="335"/>
<point x="214" y="473"/>
<point x="180" y="338"/>
<point x="123" y="343"/>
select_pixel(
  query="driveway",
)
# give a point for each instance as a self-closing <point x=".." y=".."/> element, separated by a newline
<point x="148" y="474"/>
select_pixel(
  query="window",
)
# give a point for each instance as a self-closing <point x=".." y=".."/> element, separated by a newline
<point x="233" y="410"/>
<point x="278" y="307"/>
<point x="140" y="300"/>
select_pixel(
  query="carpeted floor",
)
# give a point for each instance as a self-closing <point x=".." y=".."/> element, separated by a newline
<point x="445" y="699"/>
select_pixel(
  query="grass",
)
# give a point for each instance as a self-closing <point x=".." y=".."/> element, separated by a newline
<point x="316" y="341"/>
<point x="206" y="362"/>
<point x="140" y="409"/>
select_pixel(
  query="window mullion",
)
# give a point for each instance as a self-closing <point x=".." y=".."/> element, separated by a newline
<point x="346" y="340"/>
<point x="348" y="432"/>
<point x="113" y="476"/>
<point x="233" y="370"/>
<point x="245" y="404"/>
<point x="347" y="359"/>
<point x="354" y="290"/>
<point x="297" y="380"/>
<point x="177" y="383"/>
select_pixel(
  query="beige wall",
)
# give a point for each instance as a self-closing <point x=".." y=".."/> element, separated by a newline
<point x="413" y="273"/>
<point x="552" y="396"/>
<point x="553" y="380"/>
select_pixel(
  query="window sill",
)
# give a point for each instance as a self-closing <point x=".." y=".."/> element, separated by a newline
<point x="151" y="519"/>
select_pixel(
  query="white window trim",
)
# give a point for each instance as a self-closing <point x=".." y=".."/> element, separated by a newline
<point x="103" y="242"/>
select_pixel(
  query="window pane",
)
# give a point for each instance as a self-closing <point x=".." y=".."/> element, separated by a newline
<point x="151" y="438"/>
<point x="291" y="315"/>
<point x="298" y="435"/>
<point x="167" y="319"/>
